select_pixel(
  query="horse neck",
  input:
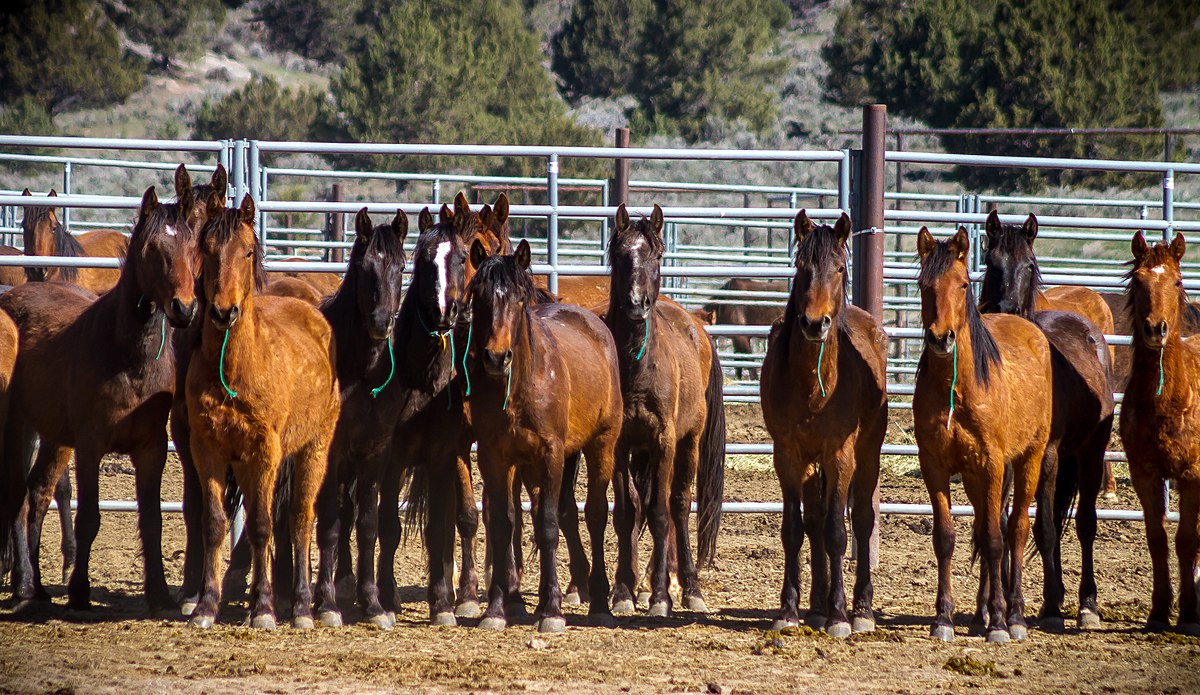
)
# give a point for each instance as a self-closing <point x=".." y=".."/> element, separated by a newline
<point x="1175" y="364"/>
<point x="357" y="351"/>
<point x="636" y="344"/>
<point x="805" y="357"/>
<point x="426" y="356"/>
<point x="942" y="368"/>
<point x="134" y="317"/>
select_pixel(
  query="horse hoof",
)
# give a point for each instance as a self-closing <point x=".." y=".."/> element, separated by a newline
<point x="695" y="603"/>
<point x="660" y="610"/>
<point x="303" y="622"/>
<point x="643" y="599"/>
<point x="1018" y="632"/>
<point x="1051" y="623"/>
<point x="381" y="621"/>
<point x="202" y="621"/>
<point x="492" y="623"/>
<point x="864" y="624"/>
<point x="572" y="599"/>
<point x="601" y="620"/>
<point x="187" y="608"/>
<point x="467" y="609"/>
<point x="781" y="624"/>
<point x="330" y="618"/>
<point x="997" y="636"/>
<point x="445" y="619"/>
<point x="1088" y="619"/>
<point x="1111" y="495"/>
<point x="838" y="630"/>
<point x="1157" y="626"/>
<point x="816" y="621"/>
<point x="554" y="624"/>
<point x="942" y="633"/>
<point x="623" y="607"/>
<point x="1190" y="629"/>
<point x="263" y="622"/>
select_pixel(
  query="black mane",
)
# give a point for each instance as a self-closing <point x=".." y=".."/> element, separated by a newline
<point x="501" y="272"/>
<point x="642" y="229"/>
<point x="986" y="353"/>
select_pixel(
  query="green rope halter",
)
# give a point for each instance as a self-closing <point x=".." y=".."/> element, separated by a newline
<point x="466" y="350"/>
<point x="1160" y="373"/>
<point x="392" y="354"/>
<point x="221" y="367"/>
<point x="645" y="341"/>
<point x="507" y="389"/>
<point x="163" y="340"/>
<point x="820" y="356"/>
<point x="953" y="383"/>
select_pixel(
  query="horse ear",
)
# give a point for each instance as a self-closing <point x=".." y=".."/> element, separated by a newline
<point x="622" y="218"/>
<point x="656" y="220"/>
<point x="522" y="254"/>
<point x="960" y="244"/>
<point x="247" y="210"/>
<point x="802" y="226"/>
<point x="445" y="214"/>
<point x="183" y="190"/>
<point x="842" y="228"/>
<point x="215" y="204"/>
<point x="149" y="201"/>
<point x="220" y="180"/>
<point x="501" y="209"/>
<point x="362" y="225"/>
<point x="992" y="227"/>
<point x="925" y="243"/>
<point x="1030" y="228"/>
<point x="461" y="206"/>
<point x="478" y="253"/>
<point x="424" y="220"/>
<point x="400" y="225"/>
<point x="1178" y="246"/>
<point x="53" y="193"/>
<point x="486" y="217"/>
<point x="26" y="192"/>
<point x="1139" y="246"/>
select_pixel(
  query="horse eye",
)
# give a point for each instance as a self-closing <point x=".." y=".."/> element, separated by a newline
<point x="965" y="285"/>
<point x="250" y="254"/>
<point x="842" y="269"/>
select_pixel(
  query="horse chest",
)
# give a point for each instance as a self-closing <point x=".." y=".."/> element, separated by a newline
<point x="1162" y="442"/>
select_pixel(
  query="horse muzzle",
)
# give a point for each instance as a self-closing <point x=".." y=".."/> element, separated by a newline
<point x="939" y="345"/>
<point x="497" y="363"/>
<point x="1155" y="334"/>
<point x="179" y="314"/>
<point x="815" y="330"/>
<point x="224" y="319"/>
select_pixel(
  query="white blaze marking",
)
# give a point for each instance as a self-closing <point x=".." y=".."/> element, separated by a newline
<point x="443" y="250"/>
<point x="170" y="230"/>
<point x="1158" y="270"/>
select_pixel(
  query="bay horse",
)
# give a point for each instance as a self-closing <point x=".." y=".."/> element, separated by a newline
<point x="1082" y="420"/>
<point x="362" y="314"/>
<point x="545" y="387"/>
<point x="96" y="375"/>
<point x="728" y="313"/>
<point x="1016" y="265"/>
<point x="260" y="388"/>
<point x="45" y="235"/>
<point x="1160" y="427"/>
<point x="824" y="401"/>
<point x="673" y="430"/>
<point x="981" y="406"/>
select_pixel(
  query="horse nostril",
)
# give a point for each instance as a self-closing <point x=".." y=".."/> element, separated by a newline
<point x="1162" y="328"/>
<point x="826" y="321"/>
<point x="185" y="311"/>
<point x="950" y="335"/>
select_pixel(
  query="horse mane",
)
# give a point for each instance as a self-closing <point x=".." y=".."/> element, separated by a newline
<point x="501" y="272"/>
<point x="1011" y="240"/>
<point x="985" y="353"/>
<point x="221" y="229"/>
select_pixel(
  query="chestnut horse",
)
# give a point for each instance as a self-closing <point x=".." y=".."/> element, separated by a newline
<point x="545" y="388"/>
<point x="46" y="236"/>
<point x="981" y="405"/>
<point x="1160" y="426"/>
<point x="1082" y="418"/>
<point x="824" y="401"/>
<point x="673" y="430"/>
<point x="95" y="375"/>
<point x="260" y="388"/>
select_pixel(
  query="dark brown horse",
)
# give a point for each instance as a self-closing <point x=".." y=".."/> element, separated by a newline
<point x="260" y="388"/>
<point x="982" y="404"/>
<point x="46" y="236"/>
<point x="545" y="388"/>
<point x="1160" y="426"/>
<point x="1082" y="418"/>
<point x="729" y="313"/>
<point x="96" y="375"/>
<point x="362" y="314"/>
<point x="673" y="431"/>
<point x="824" y="401"/>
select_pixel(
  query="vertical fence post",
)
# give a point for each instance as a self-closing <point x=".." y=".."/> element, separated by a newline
<point x="437" y="191"/>
<point x="337" y="228"/>
<point x="552" y="232"/>
<point x="1168" y="193"/>
<point x="66" y="218"/>
<point x="868" y="247"/>
<point x="254" y="180"/>
<point x="237" y="174"/>
<point x="605" y="192"/>
<point x="620" y="188"/>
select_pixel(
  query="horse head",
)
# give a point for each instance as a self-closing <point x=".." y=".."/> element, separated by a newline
<point x="1155" y="294"/>
<point x="231" y="260"/>
<point x="635" y="254"/>
<point x="819" y="290"/>
<point x="1011" y="279"/>
<point x="376" y="270"/>
<point x="500" y="295"/>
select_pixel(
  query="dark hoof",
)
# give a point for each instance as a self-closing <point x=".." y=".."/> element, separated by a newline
<point x="660" y="610"/>
<point x="1088" y="619"/>
<point x="997" y="636"/>
<point x="303" y="622"/>
<point x="445" y="619"/>
<point x="265" y="621"/>
<point x="572" y="599"/>
<point x="330" y="618"/>
<point x="862" y="624"/>
<point x="942" y="633"/>
<point x="202" y="621"/>
<point x="552" y="624"/>
<point x="492" y="623"/>
<point x="604" y="620"/>
<point x="467" y="609"/>
<point x="695" y="604"/>
<point x="1157" y="626"/>
<point x="623" y="607"/>
<point x="1051" y="623"/>
<point x="1190" y="629"/>
<point x="839" y="630"/>
<point x="1019" y="632"/>
<point x="781" y="624"/>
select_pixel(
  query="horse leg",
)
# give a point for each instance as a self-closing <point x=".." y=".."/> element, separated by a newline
<point x="87" y="525"/>
<point x="863" y="516"/>
<point x="343" y="576"/>
<point x="1046" y="527"/>
<point x="148" y="464"/>
<point x="549" y="611"/>
<point x="62" y="495"/>
<point x="662" y="462"/>
<point x="937" y="482"/>
<point x="568" y="520"/>
<point x="329" y="529"/>
<point x="27" y="527"/>
<point x="497" y="487"/>
<point x="309" y="474"/>
<point x="986" y="494"/>
<point x="15" y="453"/>
<point x="257" y="490"/>
<point x="687" y="462"/>
<point x="467" y="521"/>
<point x="193" y="512"/>
<point x="1110" y="482"/>
<point x="788" y="469"/>
<point x="623" y="524"/>
<point x="837" y="492"/>
<point x="388" y="510"/>
<point x="517" y="558"/>
<point x="282" y="566"/>
<point x="439" y="538"/>
<point x="1152" y="493"/>
<point x="211" y="480"/>
<point x="1025" y="482"/>
<point x="1090" y="473"/>
<point x="369" y="503"/>
<point x="600" y="467"/>
<point x="1187" y="543"/>
<point x="814" y="528"/>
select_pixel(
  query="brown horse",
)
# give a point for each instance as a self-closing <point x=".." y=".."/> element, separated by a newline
<point x="323" y="284"/>
<point x="95" y="375"/>
<point x="824" y="401"/>
<point x="545" y="388"/>
<point x="727" y="313"/>
<point x="673" y="430"/>
<point x="13" y="478"/>
<point x="11" y="275"/>
<point x="46" y="236"/>
<point x="1082" y="417"/>
<point x="260" y="388"/>
<point x="981" y="405"/>
<point x="295" y="288"/>
<point x="1159" y="423"/>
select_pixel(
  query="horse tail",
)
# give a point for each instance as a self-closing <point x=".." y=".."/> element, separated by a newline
<point x="233" y="494"/>
<point x="415" y="482"/>
<point x="281" y="501"/>
<point x="710" y="478"/>
<point x="1066" y="490"/>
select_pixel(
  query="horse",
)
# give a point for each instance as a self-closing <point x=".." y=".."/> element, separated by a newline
<point x="12" y="477"/>
<point x="45" y="235"/>
<point x="545" y="388"/>
<point x="11" y="275"/>
<point x="1159" y="425"/>
<point x="362" y="315"/>
<point x="673" y="430"/>
<point x="730" y="313"/>
<point x="295" y="288"/>
<point x="261" y="387"/>
<point x="824" y="402"/>
<point x="1018" y="263"/>
<point x="1082" y="419"/>
<point x="981" y="407"/>
<point x="323" y="284"/>
<point x="96" y="375"/>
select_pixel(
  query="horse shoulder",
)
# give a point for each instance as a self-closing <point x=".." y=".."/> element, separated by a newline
<point x="8" y="350"/>
<point x="869" y="340"/>
<point x="104" y="242"/>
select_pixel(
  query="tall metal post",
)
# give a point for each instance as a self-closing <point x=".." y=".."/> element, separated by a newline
<point x="337" y="230"/>
<point x="254" y="180"/>
<point x="1168" y="188"/>
<point x="237" y="175"/>
<point x="223" y="156"/>
<point x="437" y="191"/>
<point x="66" y="216"/>
<point x="620" y="188"/>
<point x="552" y="232"/>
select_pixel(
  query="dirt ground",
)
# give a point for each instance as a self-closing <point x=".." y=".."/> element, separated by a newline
<point x="118" y="648"/>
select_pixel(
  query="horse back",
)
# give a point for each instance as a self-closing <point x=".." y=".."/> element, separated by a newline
<point x="583" y="345"/>
<point x="581" y="290"/>
<point x="1083" y="301"/>
<point x="104" y="243"/>
<point x="289" y="286"/>
<point x="1078" y="344"/>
